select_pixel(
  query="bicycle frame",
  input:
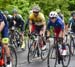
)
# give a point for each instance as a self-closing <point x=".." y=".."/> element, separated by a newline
<point x="36" y="43"/>
<point x="2" y="51"/>
<point x="58" y="41"/>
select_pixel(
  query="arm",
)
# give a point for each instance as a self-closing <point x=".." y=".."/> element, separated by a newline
<point x="44" y="27"/>
<point x="62" y="33"/>
<point x="30" y="22"/>
<point x="48" y="28"/>
<point x="43" y="23"/>
<point x="22" y="24"/>
<point x="70" y="23"/>
<point x="27" y="23"/>
<point x="30" y="26"/>
<point x="2" y="24"/>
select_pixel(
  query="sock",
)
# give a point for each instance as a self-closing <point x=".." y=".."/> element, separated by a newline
<point x="8" y="60"/>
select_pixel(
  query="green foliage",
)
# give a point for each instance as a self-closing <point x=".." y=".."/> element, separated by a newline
<point x="24" y="6"/>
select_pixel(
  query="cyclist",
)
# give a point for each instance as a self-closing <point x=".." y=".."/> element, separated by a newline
<point x="58" y="25"/>
<point x="72" y="22"/>
<point x="60" y="14"/>
<point x="18" y="22"/>
<point x="4" y="36"/>
<point x="37" y="22"/>
<point x="8" y="17"/>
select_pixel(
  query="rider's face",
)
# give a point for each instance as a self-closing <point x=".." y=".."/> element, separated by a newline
<point x="14" y="14"/>
<point x="74" y="17"/>
<point x="53" y="19"/>
<point x="36" y="13"/>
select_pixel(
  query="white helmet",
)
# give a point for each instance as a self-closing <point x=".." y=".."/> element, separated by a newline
<point x="53" y="14"/>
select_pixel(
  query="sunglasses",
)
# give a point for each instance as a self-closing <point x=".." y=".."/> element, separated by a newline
<point x="53" y="18"/>
<point x="36" y="12"/>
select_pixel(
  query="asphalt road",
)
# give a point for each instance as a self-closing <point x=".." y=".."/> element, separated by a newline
<point x="22" y="61"/>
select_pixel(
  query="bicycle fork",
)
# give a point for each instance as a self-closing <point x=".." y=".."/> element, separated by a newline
<point x="59" y="56"/>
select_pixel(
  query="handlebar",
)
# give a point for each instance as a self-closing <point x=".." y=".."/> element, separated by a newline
<point x="35" y="34"/>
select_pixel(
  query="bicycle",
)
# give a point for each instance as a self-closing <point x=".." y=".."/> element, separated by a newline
<point x="72" y="42"/>
<point x="56" y="51"/>
<point x="13" y="56"/>
<point x="35" y="48"/>
<point x="15" y="38"/>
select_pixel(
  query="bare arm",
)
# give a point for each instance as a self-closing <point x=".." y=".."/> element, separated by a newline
<point x="44" y="28"/>
<point x="48" y="33"/>
<point x="2" y="24"/>
<point x="30" y="26"/>
<point x="62" y="34"/>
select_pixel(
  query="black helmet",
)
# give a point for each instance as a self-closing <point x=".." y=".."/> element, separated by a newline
<point x="14" y="11"/>
<point x="73" y="13"/>
<point x="6" y="12"/>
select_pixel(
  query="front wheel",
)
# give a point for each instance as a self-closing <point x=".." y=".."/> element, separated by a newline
<point x="67" y="57"/>
<point x="52" y="57"/>
<point x="13" y="56"/>
<point x="31" y="51"/>
<point x="72" y="46"/>
<point x="44" y="53"/>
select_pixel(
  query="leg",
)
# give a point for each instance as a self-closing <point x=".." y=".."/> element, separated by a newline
<point x="22" y="39"/>
<point x="7" y="50"/>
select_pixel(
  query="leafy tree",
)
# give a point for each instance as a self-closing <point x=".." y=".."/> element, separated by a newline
<point x="24" y="6"/>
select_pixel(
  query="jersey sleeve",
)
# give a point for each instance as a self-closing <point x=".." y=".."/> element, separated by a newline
<point x="30" y="16"/>
<point x="1" y="18"/>
<point x="62" y="24"/>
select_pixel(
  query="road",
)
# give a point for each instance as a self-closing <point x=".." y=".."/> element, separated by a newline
<point x="22" y="61"/>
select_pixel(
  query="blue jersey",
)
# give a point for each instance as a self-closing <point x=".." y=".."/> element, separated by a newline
<point x="58" y="24"/>
<point x="4" y="32"/>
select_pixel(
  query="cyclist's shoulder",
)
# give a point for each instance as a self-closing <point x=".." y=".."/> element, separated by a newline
<point x="9" y="16"/>
<point x="1" y="14"/>
<point x="59" y="19"/>
<point x="19" y="16"/>
<point x="41" y="14"/>
<point x="2" y="17"/>
<point x="31" y="15"/>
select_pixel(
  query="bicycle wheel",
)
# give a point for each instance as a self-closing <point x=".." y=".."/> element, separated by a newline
<point x="13" y="56"/>
<point x="67" y="57"/>
<point x="72" y="46"/>
<point x="44" y="53"/>
<point x="31" y="51"/>
<point x="51" y="61"/>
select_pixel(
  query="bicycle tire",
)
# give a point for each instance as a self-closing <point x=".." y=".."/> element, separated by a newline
<point x="63" y="63"/>
<point x="50" y="59"/>
<point x="29" y="51"/>
<point x="12" y="51"/>
<point x="42" y="52"/>
<point x="72" y="46"/>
